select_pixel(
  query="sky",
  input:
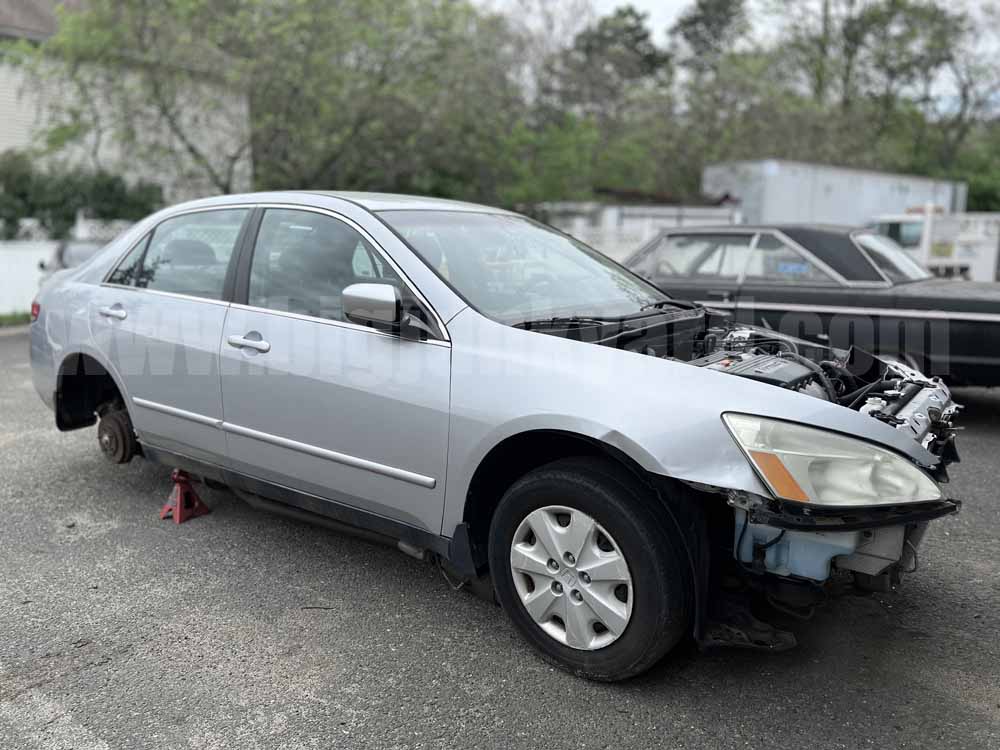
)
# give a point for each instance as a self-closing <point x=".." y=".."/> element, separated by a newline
<point x="662" y="13"/>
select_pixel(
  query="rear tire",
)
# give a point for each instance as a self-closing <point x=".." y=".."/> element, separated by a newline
<point x="591" y="516"/>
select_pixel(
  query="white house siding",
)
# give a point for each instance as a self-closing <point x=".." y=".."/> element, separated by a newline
<point x="218" y="119"/>
<point x="17" y="113"/>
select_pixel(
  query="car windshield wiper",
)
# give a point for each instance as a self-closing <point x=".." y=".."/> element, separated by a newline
<point x="654" y="305"/>
<point x="680" y="304"/>
<point x="570" y="320"/>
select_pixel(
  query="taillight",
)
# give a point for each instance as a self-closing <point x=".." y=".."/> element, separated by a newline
<point x="35" y="310"/>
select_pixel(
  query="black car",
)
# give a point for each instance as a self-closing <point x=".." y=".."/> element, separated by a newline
<point x="837" y="286"/>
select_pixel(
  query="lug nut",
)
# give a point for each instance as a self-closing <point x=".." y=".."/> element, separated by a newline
<point x="585" y="578"/>
<point x="553" y="565"/>
<point x="577" y="596"/>
<point x="557" y="587"/>
<point x="568" y="557"/>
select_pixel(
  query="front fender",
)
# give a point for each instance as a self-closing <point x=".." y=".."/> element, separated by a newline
<point x="552" y="422"/>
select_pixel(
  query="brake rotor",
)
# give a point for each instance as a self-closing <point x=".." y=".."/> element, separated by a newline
<point x="116" y="438"/>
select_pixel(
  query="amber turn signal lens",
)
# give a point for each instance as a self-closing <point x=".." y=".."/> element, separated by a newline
<point x="781" y="481"/>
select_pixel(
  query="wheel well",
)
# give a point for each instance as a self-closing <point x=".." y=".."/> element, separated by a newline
<point x="702" y="519"/>
<point x="82" y="388"/>
<point x="510" y="460"/>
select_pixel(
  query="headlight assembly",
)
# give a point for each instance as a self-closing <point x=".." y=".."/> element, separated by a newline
<point x="822" y="468"/>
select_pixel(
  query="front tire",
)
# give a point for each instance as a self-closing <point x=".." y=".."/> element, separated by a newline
<point x="590" y="569"/>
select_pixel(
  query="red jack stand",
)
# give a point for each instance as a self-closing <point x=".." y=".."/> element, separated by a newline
<point x="184" y="503"/>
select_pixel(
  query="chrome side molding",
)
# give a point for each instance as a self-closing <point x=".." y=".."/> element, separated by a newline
<point x="310" y="450"/>
<point x="173" y="411"/>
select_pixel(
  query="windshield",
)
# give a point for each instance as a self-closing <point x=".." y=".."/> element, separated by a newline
<point x="515" y="270"/>
<point x="905" y="233"/>
<point x="893" y="260"/>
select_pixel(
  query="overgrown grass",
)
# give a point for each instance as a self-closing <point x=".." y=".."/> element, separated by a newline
<point x="14" y="319"/>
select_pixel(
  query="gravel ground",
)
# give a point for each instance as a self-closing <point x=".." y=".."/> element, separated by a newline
<point x="246" y="630"/>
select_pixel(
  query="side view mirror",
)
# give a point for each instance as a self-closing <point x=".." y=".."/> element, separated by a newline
<point x="368" y="304"/>
<point x="380" y="306"/>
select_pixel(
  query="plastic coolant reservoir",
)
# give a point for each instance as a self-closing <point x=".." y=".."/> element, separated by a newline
<point x="799" y="553"/>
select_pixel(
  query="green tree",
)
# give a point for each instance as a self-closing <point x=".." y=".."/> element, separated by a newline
<point x="709" y="30"/>
<point x="549" y="162"/>
<point x="605" y="63"/>
<point x="446" y="98"/>
<point x="153" y="78"/>
<point x="358" y="93"/>
<point x="54" y="195"/>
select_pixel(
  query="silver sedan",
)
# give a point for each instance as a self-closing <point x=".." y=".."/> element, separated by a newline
<point x="491" y="395"/>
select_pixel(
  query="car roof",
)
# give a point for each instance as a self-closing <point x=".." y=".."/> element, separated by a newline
<point x="842" y="229"/>
<point x="830" y="243"/>
<point x="373" y="202"/>
<point x="403" y="202"/>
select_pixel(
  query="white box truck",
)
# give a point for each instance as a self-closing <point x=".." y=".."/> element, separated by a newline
<point x="776" y="191"/>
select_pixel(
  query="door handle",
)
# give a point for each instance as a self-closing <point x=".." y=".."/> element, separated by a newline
<point x="241" y="341"/>
<point x="115" y="311"/>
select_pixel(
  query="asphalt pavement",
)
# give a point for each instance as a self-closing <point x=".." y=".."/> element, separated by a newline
<point x="240" y="629"/>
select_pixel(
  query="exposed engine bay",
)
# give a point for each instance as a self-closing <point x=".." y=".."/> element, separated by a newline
<point x="888" y="391"/>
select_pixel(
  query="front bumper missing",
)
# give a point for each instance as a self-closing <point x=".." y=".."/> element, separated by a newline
<point x="796" y="557"/>
<point x="855" y="519"/>
<point x="807" y="544"/>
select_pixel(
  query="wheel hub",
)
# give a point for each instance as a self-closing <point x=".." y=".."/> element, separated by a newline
<point x="571" y="577"/>
<point x="115" y="437"/>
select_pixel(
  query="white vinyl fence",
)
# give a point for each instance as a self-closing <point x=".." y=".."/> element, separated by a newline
<point x="620" y="230"/>
<point x="19" y="273"/>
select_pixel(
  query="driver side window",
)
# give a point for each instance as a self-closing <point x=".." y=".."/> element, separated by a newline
<point x="302" y="261"/>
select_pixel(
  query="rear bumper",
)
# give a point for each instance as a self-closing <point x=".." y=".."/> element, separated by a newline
<point x="43" y="371"/>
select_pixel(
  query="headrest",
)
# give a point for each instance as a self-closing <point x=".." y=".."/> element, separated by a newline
<point x="325" y="256"/>
<point x="189" y="253"/>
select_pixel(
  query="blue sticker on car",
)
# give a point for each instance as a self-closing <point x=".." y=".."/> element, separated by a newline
<point x="793" y="268"/>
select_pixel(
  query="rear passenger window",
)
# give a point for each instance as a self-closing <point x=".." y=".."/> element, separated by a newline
<point x="302" y="262"/>
<point x="190" y="254"/>
<point x="774" y="261"/>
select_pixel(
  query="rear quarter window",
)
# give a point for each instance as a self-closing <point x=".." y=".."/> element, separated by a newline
<point x="128" y="268"/>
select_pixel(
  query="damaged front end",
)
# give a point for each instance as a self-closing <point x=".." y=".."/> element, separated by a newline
<point x="842" y="513"/>
<point x="840" y="507"/>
